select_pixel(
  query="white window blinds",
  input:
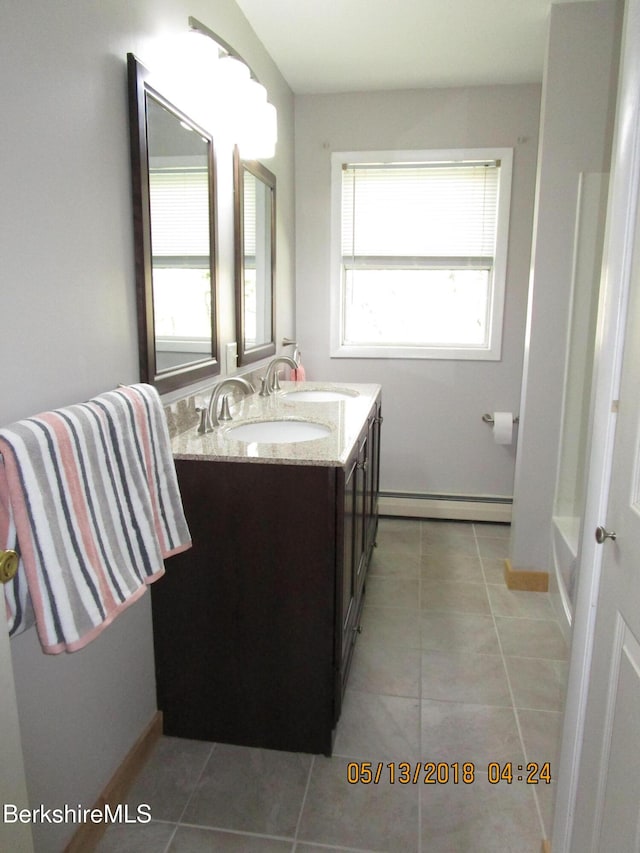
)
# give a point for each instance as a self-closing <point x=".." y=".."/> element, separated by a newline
<point x="179" y="200"/>
<point x="420" y="211"/>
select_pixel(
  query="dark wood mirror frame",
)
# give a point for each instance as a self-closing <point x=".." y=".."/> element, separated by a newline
<point x="247" y="355"/>
<point x="197" y="370"/>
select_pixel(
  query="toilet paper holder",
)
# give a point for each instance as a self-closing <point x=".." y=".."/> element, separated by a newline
<point x="488" y="419"/>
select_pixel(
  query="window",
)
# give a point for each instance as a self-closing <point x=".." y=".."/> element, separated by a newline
<point x="419" y="253"/>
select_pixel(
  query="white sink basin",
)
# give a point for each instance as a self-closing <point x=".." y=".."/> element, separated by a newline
<point x="318" y="396"/>
<point x="278" y="432"/>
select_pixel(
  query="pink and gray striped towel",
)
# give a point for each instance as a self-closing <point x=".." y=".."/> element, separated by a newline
<point x="89" y="499"/>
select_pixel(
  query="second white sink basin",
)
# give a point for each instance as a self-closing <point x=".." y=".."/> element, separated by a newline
<point x="318" y="396"/>
<point x="278" y="432"/>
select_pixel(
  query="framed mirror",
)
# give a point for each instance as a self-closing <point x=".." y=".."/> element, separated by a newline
<point x="173" y="175"/>
<point x="255" y="255"/>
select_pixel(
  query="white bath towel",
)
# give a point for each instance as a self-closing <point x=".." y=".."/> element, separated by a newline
<point x="89" y="498"/>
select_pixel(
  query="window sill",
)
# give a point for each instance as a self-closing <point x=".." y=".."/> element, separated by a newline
<point x="422" y="352"/>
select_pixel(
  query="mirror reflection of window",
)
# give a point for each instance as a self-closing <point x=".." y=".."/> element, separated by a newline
<point x="180" y="239"/>
<point x="255" y="240"/>
<point x="257" y="262"/>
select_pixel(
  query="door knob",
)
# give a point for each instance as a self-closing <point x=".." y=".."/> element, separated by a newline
<point x="602" y="534"/>
<point x="8" y="565"/>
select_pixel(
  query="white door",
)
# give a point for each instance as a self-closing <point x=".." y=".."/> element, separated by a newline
<point x="606" y="813"/>
<point x="608" y="795"/>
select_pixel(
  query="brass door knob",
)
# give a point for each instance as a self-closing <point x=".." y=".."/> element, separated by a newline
<point x="8" y="565"/>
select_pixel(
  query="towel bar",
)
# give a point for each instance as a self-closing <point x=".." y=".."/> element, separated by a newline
<point x="8" y="565"/>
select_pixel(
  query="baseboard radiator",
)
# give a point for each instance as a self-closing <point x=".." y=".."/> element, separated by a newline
<point x="450" y="507"/>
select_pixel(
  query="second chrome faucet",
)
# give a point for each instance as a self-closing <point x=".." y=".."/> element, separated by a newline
<point x="270" y="381"/>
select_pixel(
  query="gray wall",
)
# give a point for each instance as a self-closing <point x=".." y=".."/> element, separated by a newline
<point x="576" y="129"/>
<point x="69" y="326"/>
<point x="434" y="440"/>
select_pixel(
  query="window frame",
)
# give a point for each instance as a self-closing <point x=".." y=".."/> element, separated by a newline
<point x="493" y="349"/>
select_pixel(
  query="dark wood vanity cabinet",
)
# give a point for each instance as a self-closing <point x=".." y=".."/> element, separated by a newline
<point x="359" y="493"/>
<point x="254" y="626"/>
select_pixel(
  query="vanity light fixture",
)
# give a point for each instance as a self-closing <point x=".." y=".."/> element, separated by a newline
<point x="239" y="96"/>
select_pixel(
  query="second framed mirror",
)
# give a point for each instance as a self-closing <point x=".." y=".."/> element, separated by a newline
<point x="255" y="255"/>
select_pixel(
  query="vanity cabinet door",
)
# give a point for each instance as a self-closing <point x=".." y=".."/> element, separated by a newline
<point x="349" y="568"/>
<point x="359" y="523"/>
<point x="373" y="477"/>
<point x="362" y="514"/>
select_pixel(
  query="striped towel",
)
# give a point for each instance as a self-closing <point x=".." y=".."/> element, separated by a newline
<point x="89" y="498"/>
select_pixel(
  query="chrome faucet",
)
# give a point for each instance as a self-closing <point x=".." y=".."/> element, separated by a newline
<point x="213" y="418"/>
<point x="270" y="382"/>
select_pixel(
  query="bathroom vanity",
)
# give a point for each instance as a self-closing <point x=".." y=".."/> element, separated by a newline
<point x="254" y="627"/>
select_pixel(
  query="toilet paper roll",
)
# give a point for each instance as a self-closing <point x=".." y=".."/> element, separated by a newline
<point x="503" y="427"/>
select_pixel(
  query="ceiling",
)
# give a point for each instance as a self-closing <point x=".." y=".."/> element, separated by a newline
<point x="363" y="45"/>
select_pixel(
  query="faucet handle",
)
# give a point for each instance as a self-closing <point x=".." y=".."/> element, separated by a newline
<point x="275" y="383"/>
<point x="225" y="414"/>
<point x="264" y="388"/>
<point x="204" y="426"/>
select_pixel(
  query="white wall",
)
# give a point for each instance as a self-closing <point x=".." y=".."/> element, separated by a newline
<point x="434" y="440"/>
<point x="576" y="126"/>
<point x="69" y="325"/>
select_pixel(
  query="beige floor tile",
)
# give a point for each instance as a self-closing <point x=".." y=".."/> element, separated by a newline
<point x="494" y="571"/>
<point x="136" y="838"/>
<point x="407" y="529"/>
<point x="464" y="677"/>
<point x="493" y="548"/>
<point x="459" y="632"/>
<point x="457" y="732"/>
<point x="170" y="777"/>
<point x="535" y="638"/>
<point x="399" y="536"/>
<point x="394" y="563"/>
<point x="446" y="533"/>
<point x="454" y="567"/>
<point x="250" y="790"/>
<point x="541" y="731"/>
<point x="393" y="592"/>
<point x="394" y="626"/>
<point x="190" y="839"/>
<point x="488" y="529"/>
<point x="392" y="670"/>
<point x="537" y="683"/>
<point x="513" y="602"/>
<point x="373" y="724"/>
<point x="461" y="597"/>
<point x="479" y="818"/>
<point x="456" y="545"/>
<point x="382" y="817"/>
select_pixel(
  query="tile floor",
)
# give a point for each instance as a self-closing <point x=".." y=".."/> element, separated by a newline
<point x="451" y="667"/>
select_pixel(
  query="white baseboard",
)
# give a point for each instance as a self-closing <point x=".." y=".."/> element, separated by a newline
<point x="451" y="507"/>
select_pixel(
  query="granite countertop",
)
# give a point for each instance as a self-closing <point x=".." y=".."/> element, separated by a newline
<point x="345" y="418"/>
